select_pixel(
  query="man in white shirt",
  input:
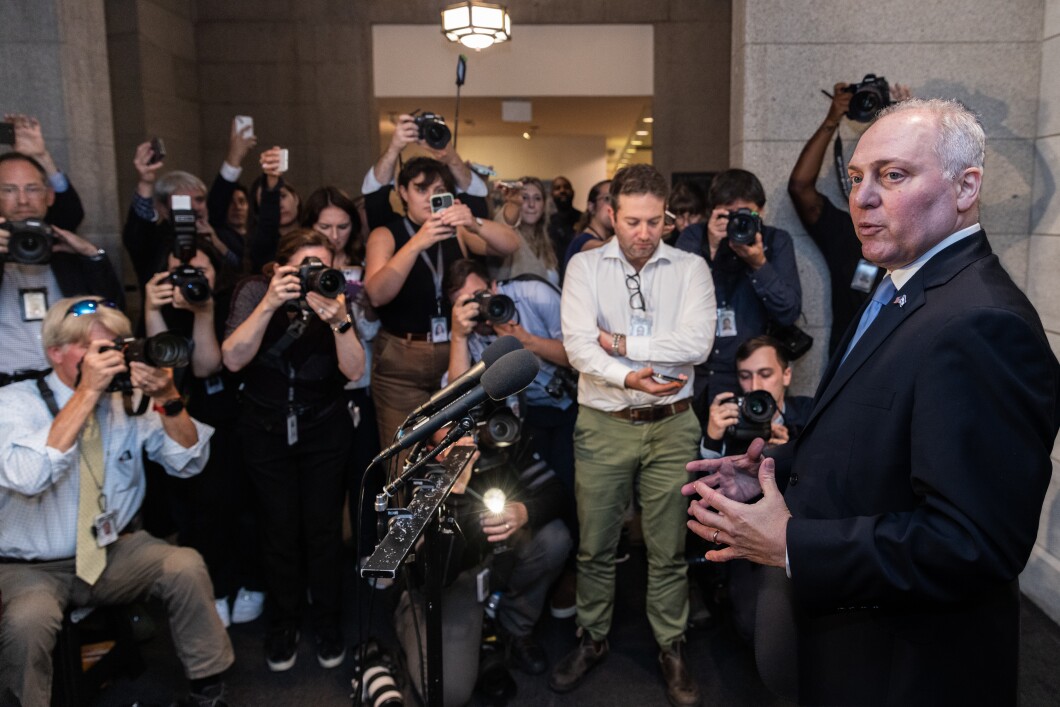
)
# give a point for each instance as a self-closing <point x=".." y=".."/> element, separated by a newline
<point x="637" y="316"/>
<point x="71" y="485"/>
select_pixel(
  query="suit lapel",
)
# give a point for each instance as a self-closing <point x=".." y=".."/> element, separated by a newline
<point x="937" y="271"/>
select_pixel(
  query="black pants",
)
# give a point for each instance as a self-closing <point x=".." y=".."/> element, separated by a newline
<point x="300" y="490"/>
<point x="365" y="447"/>
<point x="551" y="432"/>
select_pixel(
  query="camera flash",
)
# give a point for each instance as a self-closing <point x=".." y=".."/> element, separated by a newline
<point x="494" y="500"/>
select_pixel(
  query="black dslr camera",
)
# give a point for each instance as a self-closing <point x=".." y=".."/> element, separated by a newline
<point x="190" y="280"/>
<point x="433" y="130"/>
<point x="757" y="410"/>
<point x="743" y="226"/>
<point x="871" y="96"/>
<point x="495" y="309"/>
<point x="30" y="243"/>
<point x="317" y="277"/>
<point x="165" y="350"/>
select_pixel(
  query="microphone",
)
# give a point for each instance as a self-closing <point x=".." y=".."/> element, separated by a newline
<point x="467" y="380"/>
<point x="509" y="375"/>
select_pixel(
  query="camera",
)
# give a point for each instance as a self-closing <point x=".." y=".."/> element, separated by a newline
<point x="564" y="382"/>
<point x="433" y="130"/>
<point x="317" y="277"/>
<point x="184" y="231"/>
<point x="165" y="350"/>
<point x="31" y="241"/>
<point x="374" y="685"/>
<point x="743" y="226"/>
<point x="495" y="309"/>
<point x="500" y="428"/>
<point x="192" y="283"/>
<point x="870" y="96"/>
<point x="757" y="410"/>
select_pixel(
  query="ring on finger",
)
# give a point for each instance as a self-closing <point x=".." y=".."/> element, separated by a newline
<point x="715" y="538"/>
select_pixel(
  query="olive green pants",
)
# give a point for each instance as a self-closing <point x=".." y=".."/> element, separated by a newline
<point x="609" y="455"/>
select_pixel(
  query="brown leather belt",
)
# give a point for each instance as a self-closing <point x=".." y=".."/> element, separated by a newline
<point x="409" y="337"/>
<point x="651" y="413"/>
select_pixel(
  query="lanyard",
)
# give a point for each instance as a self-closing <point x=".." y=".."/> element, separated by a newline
<point x="437" y="270"/>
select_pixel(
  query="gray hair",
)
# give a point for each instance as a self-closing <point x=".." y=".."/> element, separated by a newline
<point x="172" y="182"/>
<point x="961" y="142"/>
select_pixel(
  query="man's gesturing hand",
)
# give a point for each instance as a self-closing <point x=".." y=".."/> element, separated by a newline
<point x="736" y="476"/>
<point x="755" y="532"/>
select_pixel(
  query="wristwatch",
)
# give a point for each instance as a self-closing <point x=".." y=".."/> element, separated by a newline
<point x="344" y="327"/>
<point x="170" y="408"/>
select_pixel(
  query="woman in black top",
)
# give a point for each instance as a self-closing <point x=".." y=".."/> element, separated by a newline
<point x="404" y="266"/>
<point x="296" y="351"/>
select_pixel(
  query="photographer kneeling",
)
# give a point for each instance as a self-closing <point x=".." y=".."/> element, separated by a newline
<point x="294" y="337"/>
<point x="71" y="487"/>
<point x="526" y="307"/>
<point x="512" y="546"/>
<point x="763" y="409"/>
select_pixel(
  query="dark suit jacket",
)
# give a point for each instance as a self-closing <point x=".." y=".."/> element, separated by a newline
<point x="915" y="491"/>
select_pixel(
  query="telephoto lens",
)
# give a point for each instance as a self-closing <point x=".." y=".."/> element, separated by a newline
<point x="495" y="309"/>
<point x="374" y="685"/>
<point x="317" y="277"/>
<point x="743" y="226"/>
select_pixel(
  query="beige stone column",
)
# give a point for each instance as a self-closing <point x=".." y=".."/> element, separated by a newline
<point x="53" y="65"/>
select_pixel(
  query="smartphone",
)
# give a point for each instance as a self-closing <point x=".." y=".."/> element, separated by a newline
<point x="7" y="133"/>
<point x="284" y="160"/>
<point x="158" y="151"/>
<point x="441" y="202"/>
<point x="178" y="202"/>
<point x="245" y="125"/>
<point x="509" y="185"/>
<point x="663" y="379"/>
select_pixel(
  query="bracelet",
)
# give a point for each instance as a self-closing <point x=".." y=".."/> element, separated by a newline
<point x="615" y="340"/>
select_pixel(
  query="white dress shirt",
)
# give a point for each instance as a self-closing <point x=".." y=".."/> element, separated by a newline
<point x="39" y="484"/>
<point x="679" y="296"/>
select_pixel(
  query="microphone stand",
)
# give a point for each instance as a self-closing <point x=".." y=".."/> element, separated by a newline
<point x="424" y="516"/>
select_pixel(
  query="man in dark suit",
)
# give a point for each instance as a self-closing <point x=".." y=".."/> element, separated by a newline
<point x="913" y="494"/>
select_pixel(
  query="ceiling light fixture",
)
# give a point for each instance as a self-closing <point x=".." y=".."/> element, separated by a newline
<point x="649" y="119"/>
<point x="476" y="25"/>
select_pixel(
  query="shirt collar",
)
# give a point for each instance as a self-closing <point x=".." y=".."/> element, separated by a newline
<point x="62" y="392"/>
<point x="902" y="275"/>
<point x="612" y="250"/>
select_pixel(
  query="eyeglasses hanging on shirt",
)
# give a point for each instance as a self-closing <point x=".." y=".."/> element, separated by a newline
<point x="639" y="320"/>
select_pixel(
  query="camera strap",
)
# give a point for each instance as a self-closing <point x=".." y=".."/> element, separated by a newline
<point x="274" y="356"/>
<point x="126" y="398"/>
<point x="841" y="166"/>
<point x="437" y="270"/>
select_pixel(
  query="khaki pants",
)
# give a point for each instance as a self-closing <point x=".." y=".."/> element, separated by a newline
<point x="404" y="375"/>
<point x="609" y="454"/>
<point x="36" y="595"/>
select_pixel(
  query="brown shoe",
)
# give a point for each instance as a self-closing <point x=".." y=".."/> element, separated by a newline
<point x="570" y="671"/>
<point x="681" y="687"/>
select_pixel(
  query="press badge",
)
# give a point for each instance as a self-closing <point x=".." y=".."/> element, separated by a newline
<point x="640" y="325"/>
<point x="439" y="330"/>
<point x="292" y="429"/>
<point x="105" y="528"/>
<point x="864" y="276"/>
<point x="34" y="304"/>
<point x="726" y="322"/>
<point x="214" y="385"/>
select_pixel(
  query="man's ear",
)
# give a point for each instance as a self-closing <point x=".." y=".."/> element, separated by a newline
<point x="968" y="184"/>
<point x="54" y="355"/>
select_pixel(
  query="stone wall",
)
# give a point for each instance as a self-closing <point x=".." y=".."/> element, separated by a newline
<point x="1041" y="580"/>
<point x="53" y="65"/>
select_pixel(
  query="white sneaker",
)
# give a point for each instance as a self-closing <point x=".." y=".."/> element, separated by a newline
<point x="222" y="611"/>
<point x="247" y="606"/>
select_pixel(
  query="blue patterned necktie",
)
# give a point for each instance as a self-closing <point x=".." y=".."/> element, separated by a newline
<point x="883" y="295"/>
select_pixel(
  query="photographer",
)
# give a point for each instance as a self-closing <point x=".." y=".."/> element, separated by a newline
<point x="378" y="184"/>
<point x="297" y="349"/>
<point x="852" y="277"/>
<point x="535" y="321"/>
<point x="148" y="233"/>
<point x="405" y="263"/>
<point x="63" y="264"/>
<point x="523" y="544"/>
<point x="66" y="211"/>
<point x="276" y="205"/>
<point x="524" y="211"/>
<point x="213" y="512"/>
<point x="227" y="203"/>
<point x="761" y="365"/>
<point x="754" y="273"/>
<point x="71" y="487"/>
